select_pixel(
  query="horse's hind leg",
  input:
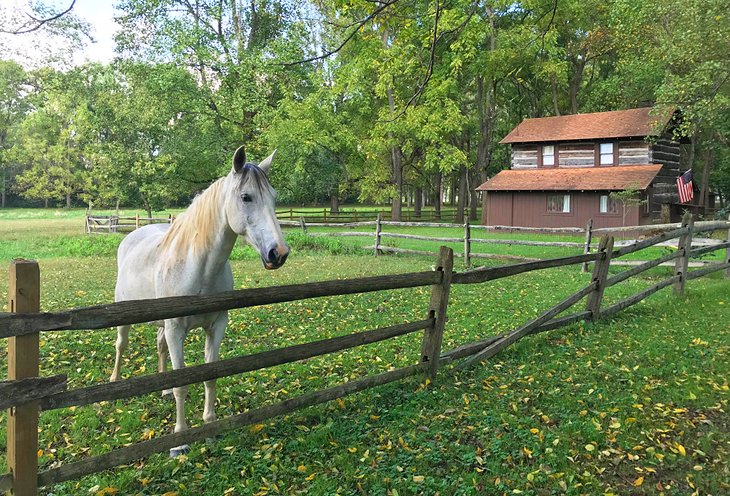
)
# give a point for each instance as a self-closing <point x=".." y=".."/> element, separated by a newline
<point x="162" y="355"/>
<point x="121" y="346"/>
<point x="213" y="338"/>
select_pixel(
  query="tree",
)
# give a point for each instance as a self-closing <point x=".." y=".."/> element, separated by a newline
<point x="155" y="143"/>
<point x="229" y="46"/>
<point x="13" y="107"/>
<point x="629" y="198"/>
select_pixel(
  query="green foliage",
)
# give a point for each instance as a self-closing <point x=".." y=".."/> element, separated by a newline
<point x="299" y="242"/>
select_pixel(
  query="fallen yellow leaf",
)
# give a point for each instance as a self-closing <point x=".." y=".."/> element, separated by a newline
<point x="638" y="482"/>
<point x="680" y="448"/>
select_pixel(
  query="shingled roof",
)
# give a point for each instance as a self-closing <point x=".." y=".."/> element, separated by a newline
<point x="576" y="179"/>
<point x="615" y="124"/>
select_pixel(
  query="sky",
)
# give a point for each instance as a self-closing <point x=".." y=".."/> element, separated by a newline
<point x="28" y="49"/>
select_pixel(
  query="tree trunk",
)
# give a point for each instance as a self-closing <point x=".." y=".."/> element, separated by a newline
<point x="437" y="195"/>
<point x="46" y="201"/>
<point x="2" y="191"/>
<point x="704" y="200"/>
<point x="474" y="196"/>
<point x="575" y="82"/>
<point x="461" y="203"/>
<point x="68" y="200"/>
<point x="554" y="85"/>
<point x="396" y="154"/>
<point x="417" y="202"/>
<point x="334" y="204"/>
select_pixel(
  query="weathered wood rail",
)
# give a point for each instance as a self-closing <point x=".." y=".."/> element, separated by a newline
<point x="25" y="392"/>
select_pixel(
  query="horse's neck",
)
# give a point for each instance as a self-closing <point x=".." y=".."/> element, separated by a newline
<point x="203" y="237"/>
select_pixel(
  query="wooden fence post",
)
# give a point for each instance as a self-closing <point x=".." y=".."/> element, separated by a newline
<point x="682" y="263"/>
<point x="23" y="352"/>
<point x="324" y="214"/>
<point x="467" y="244"/>
<point x="136" y="221"/>
<point x="587" y="245"/>
<point x="431" y="345"/>
<point x="303" y="224"/>
<point x="600" y="273"/>
<point x="378" y="229"/>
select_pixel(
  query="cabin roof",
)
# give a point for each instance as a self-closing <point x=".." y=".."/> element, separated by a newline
<point x="639" y="122"/>
<point x="575" y="179"/>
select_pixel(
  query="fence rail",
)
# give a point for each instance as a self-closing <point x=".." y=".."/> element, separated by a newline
<point x="25" y="391"/>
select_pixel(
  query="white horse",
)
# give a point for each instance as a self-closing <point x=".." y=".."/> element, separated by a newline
<point x="190" y="257"/>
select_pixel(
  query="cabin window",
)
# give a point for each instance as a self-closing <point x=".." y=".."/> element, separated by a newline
<point x="548" y="155"/>
<point x="607" y="205"/>
<point x="606" y="151"/>
<point x="558" y="204"/>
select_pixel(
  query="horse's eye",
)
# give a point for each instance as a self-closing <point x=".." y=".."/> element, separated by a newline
<point x="246" y="197"/>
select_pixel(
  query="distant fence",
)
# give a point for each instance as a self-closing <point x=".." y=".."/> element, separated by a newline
<point x="106" y="224"/>
<point x="468" y="239"/>
<point x="25" y="392"/>
<point x="324" y="215"/>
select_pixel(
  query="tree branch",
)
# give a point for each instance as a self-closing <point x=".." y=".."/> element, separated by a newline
<point x="39" y="23"/>
<point x="358" y="25"/>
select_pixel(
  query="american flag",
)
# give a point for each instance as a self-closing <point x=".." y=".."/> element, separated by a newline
<point x="684" y="186"/>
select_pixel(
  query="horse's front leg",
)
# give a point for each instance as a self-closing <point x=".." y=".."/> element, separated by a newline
<point x="162" y="356"/>
<point x="175" y="336"/>
<point x="213" y="339"/>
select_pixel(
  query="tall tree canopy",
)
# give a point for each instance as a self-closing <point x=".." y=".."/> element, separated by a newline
<point x="385" y="101"/>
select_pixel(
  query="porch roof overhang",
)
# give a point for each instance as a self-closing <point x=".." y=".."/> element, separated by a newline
<point x="617" y="178"/>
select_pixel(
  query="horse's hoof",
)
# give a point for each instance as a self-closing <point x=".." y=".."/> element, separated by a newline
<point x="179" y="450"/>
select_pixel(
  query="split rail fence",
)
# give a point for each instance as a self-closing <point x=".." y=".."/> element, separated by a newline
<point x="105" y="224"/>
<point x="324" y="215"/>
<point x="24" y="393"/>
<point x="468" y="239"/>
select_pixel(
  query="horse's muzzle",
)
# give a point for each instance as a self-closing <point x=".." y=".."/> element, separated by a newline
<point x="276" y="257"/>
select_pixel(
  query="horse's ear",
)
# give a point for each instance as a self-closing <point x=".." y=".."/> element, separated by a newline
<point x="239" y="159"/>
<point x="265" y="164"/>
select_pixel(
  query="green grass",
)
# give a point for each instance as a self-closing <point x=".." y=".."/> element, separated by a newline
<point x="633" y="405"/>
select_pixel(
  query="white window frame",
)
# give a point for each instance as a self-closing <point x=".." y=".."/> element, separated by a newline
<point x="604" y="203"/>
<point x="548" y="155"/>
<point x="605" y="155"/>
<point x="566" y="204"/>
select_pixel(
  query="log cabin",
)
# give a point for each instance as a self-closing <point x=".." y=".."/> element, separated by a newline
<point x="565" y="168"/>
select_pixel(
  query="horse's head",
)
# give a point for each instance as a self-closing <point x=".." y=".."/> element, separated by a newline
<point x="250" y="209"/>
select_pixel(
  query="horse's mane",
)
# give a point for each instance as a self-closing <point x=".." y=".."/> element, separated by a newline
<point x="189" y="229"/>
<point x="195" y="226"/>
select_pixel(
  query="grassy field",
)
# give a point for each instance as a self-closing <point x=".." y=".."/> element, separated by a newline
<point x="632" y="405"/>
